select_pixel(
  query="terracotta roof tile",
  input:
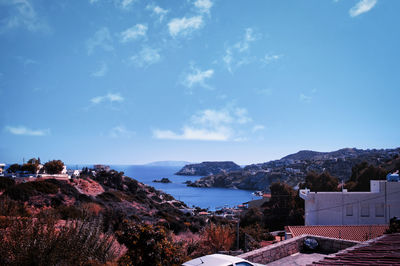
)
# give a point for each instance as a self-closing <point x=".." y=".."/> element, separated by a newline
<point x="348" y="232"/>
<point x="383" y="251"/>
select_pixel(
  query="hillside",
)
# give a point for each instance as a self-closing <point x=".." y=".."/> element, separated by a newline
<point x="293" y="168"/>
<point x="114" y="195"/>
<point x="208" y="168"/>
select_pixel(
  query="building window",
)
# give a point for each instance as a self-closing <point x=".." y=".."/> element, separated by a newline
<point x="364" y="210"/>
<point x="379" y="210"/>
<point x="349" y="210"/>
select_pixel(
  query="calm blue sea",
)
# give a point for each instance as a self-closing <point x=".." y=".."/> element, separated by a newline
<point x="211" y="198"/>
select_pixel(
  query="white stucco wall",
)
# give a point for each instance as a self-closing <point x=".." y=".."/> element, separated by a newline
<point x="352" y="208"/>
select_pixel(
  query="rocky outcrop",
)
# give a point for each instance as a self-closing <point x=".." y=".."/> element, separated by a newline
<point x="208" y="168"/>
<point x="247" y="180"/>
<point x="163" y="180"/>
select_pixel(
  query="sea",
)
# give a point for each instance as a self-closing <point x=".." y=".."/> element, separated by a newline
<point x="206" y="198"/>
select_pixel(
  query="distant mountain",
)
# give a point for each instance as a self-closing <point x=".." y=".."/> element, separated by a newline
<point x="169" y="163"/>
<point x="292" y="169"/>
<point x="208" y="168"/>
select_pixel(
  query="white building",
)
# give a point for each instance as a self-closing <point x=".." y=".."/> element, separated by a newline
<point x="352" y="208"/>
<point x="2" y="166"/>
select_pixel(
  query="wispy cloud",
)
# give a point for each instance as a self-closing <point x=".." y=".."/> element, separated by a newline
<point x="203" y="6"/>
<point x="133" y="33"/>
<point x="270" y="58"/>
<point x="305" y="98"/>
<point x="110" y="97"/>
<point x="125" y="4"/>
<point x="257" y="128"/>
<point x="237" y="54"/>
<point x="361" y="7"/>
<point x="102" y="38"/>
<point x="120" y="132"/>
<point x="26" y="61"/>
<point x="21" y="14"/>
<point x="24" y="131"/>
<point x="101" y="71"/>
<point x="210" y="125"/>
<point x="146" y="57"/>
<point x="184" y="26"/>
<point x="158" y="11"/>
<point x="197" y="77"/>
<point x="266" y="92"/>
<point x="93" y="1"/>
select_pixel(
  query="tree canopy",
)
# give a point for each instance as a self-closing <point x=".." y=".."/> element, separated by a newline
<point x="54" y="167"/>
<point x="362" y="174"/>
<point x="320" y="182"/>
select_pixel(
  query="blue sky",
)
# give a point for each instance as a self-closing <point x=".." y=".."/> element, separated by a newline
<point x="135" y="81"/>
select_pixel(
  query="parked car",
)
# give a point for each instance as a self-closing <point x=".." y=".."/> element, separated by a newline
<point x="219" y="260"/>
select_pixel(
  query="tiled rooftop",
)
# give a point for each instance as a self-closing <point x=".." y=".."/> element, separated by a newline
<point x="382" y="251"/>
<point x="348" y="232"/>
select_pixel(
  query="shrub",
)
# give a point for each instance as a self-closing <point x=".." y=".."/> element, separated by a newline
<point x="9" y="207"/>
<point x="218" y="238"/>
<point x="41" y="242"/>
<point x="148" y="245"/>
<point x="109" y="196"/>
<point x="24" y="191"/>
<point x="6" y="182"/>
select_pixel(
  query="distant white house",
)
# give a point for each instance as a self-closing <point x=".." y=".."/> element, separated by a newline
<point x="2" y="166"/>
<point x="352" y="208"/>
<point x="73" y="173"/>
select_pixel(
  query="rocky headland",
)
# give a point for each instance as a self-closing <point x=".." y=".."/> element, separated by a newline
<point x="208" y="168"/>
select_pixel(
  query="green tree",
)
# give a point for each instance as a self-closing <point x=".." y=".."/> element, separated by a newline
<point x="285" y="207"/>
<point x="54" y="167"/>
<point x="320" y="182"/>
<point x="361" y="176"/>
<point x="30" y="168"/>
<point x="14" y="168"/>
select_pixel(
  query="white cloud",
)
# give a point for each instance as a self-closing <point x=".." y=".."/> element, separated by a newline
<point x="237" y="54"/>
<point x="258" y="128"/>
<point x="101" y="71"/>
<point x="93" y="1"/>
<point x="305" y="98"/>
<point x="22" y="130"/>
<point x="102" y="38"/>
<point x="271" y="58"/>
<point x="110" y="97"/>
<point x="21" y="13"/>
<point x="146" y="57"/>
<point x="120" y="132"/>
<point x="198" y="77"/>
<point x="242" y="116"/>
<point x="193" y="134"/>
<point x="184" y="26"/>
<point x="125" y="4"/>
<point x="133" y="33"/>
<point x="361" y="7"/>
<point x="158" y="11"/>
<point x="204" y="6"/>
<point x="248" y="38"/>
<point x="210" y="125"/>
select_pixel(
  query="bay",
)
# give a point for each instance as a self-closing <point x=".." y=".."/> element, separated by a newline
<point x="207" y="198"/>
